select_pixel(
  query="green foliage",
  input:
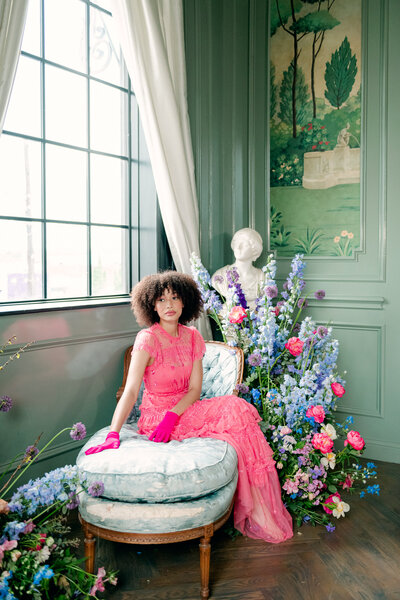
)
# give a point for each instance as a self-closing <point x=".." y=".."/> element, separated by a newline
<point x="285" y="12"/>
<point x="336" y="120"/>
<point x="279" y="236"/>
<point x="314" y="137"/>
<point x="273" y="91"/>
<point x="340" y="75"/>
<point x="286" y="171"/>
<point x="311" y="243"/>
<point x="315" y="21"/>
<point x="303" y="105"/>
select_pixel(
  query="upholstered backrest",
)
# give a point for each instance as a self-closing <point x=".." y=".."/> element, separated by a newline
<point x="222" y="371"/>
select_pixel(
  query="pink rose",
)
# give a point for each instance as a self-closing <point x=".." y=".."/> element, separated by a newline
<point x="237" y="314"/>
<point x="317" y="412"/>
<point x="355" y="440"/>
<point x="322" y="442"/>
<point x="338" y="389"/>
<point x="333" y="499"/>
<point x="295" y="346"/>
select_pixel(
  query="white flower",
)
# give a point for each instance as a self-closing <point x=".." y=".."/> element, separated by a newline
<point x="340" y="509"/>
<point x="43" y="554"/>
<point x="279" y="465"/>
<point x="329" y="430"/>
<point x="329" y="459"/>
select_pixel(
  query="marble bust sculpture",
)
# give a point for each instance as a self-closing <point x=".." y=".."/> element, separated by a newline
<point x="247" y="246"/>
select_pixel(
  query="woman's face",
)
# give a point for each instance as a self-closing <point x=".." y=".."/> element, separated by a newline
<point x="169" y="306"/>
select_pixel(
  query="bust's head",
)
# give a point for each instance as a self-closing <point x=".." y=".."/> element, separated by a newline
<point x="247" y="244"/>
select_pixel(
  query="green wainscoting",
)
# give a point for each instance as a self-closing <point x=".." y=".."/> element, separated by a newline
<point x="227" y="68"/>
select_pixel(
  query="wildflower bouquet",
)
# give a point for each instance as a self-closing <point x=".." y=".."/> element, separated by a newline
<point x="38" y="558"/>
<point x="291" y="378"/>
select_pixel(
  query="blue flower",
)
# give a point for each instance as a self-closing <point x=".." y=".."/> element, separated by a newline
<point x="373" y="489"/>
<point x="371" y="465"/>
<point x="44" y="573"/>
<point x="255" y="393"/>
<point x="330" y="527"/>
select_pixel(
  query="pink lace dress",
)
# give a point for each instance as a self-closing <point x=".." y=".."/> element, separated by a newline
<point x="259" y="511"/>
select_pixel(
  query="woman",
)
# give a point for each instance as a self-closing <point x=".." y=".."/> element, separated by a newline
<point x="168" y="356"/>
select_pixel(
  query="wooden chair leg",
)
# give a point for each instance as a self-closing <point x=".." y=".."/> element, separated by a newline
<point x="205" y="551"/>
<point x="90" y="547"/>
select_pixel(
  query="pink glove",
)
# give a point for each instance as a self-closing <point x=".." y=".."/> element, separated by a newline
<point x="111" y="443"/>
<point x="162" y="432"/>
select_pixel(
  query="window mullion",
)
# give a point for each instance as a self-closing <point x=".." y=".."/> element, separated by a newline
<point x="88" y="196"/>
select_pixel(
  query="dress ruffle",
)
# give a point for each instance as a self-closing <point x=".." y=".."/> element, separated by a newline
<point x="259" y="511"/>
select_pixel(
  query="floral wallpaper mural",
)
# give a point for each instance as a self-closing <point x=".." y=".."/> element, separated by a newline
<point x="315" y="126"/>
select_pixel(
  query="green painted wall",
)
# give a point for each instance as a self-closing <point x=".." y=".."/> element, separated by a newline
<point x="227" y="68"/>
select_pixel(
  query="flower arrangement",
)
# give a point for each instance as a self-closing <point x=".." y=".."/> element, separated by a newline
<point x="38" y="558"/>
<point x="291" y="378"/>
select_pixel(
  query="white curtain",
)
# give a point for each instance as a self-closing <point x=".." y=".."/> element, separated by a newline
<point x="12" y="23"/>
<point x="152" y="41"/>
<point x="151" y="36"/>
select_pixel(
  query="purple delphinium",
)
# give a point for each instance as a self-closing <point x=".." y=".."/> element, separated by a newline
<point x="232" y="277"/>
<point x="5" y="403"/>
<point x="330" y="527"/>
<point x="319" y="294"/>
<point x="96" y="489"/>
<point x="78" y="431"/>
<point x="30" y="453"/>
<point x="271" y="291"/>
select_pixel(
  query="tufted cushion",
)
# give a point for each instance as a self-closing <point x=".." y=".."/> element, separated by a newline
<point x="220" y="370"/>
<point x="144" y="471"/>
<point x="156" y="518"/>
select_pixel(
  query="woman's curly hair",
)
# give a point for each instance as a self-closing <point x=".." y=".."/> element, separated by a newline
<point x="150" y="288"/>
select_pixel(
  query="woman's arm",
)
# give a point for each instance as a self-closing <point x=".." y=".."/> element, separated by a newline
<point x="194" y="391"/>
<point x="140" y="360"/>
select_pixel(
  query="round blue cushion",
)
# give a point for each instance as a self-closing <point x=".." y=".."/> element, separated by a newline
<point x="144" y="471"/>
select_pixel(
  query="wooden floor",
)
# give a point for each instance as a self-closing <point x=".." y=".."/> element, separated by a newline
<point x="360" y="560"/>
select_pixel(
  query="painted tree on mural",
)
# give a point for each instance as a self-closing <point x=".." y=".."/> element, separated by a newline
<point x="316" y="23"/>
<point x="340" y="75"/>
<point x="302" y="97"/>
<point x="273" y="91"/>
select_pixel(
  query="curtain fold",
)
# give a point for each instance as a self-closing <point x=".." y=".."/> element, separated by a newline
<point x="151" y="36"/>
<point x="12" y="24"/>
<point x="152" y="42"/>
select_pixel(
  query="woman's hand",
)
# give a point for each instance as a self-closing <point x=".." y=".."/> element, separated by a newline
<point x="112" y="443"/>
<point x="162" y="432"/>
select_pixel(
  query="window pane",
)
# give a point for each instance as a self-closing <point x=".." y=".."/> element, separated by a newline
<point x="20" y="177"/>
<point x="23" y="114"/>
<point x="31" y="39"/>
<point x="66" y="260"/>
<point x="109" y="190"/>
<point x="66" y="107"/>
<point x="106" y="60"/>
<point x="21" y="259"/>
<point x="108" y="105"/>
<point x="65" y="33"/>
<point x="66" y="183"/>
<point x="109" y="252"/>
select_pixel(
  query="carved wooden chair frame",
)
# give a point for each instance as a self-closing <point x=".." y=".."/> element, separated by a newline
<point x="204" y="532"/>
